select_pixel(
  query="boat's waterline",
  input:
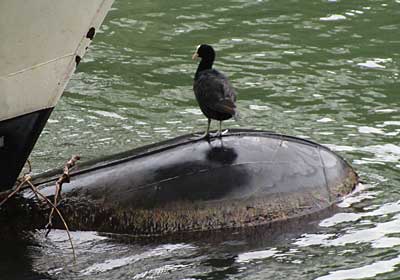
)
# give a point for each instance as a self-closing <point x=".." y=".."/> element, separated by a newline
<point x="247" y="178"/>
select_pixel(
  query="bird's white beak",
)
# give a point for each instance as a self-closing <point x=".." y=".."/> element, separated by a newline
<point x="195" y="55"/>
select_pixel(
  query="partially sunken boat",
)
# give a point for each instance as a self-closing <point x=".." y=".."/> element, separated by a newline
<point x="247" y="178"/>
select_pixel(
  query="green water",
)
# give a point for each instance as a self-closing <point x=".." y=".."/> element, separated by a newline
<point x="323" y="70"/>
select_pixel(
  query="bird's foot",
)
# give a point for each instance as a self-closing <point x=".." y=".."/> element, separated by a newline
<point x="219" y="133"/>
<point x="208" y="136"/>
<point x="205" y="136"/>
<point x="215" y="134"/>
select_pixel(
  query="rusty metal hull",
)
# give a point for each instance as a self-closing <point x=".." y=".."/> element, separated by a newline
<point x="247" y="178"/>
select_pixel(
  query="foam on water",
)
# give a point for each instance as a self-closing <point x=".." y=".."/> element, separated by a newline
<point x="367" y="271"/>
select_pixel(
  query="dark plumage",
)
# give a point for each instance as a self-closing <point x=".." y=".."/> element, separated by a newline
<point x="214" y="93"/>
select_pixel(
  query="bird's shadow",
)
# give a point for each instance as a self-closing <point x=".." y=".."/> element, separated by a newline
<point x="221" y="153"/>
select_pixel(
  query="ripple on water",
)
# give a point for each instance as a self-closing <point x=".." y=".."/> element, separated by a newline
<point x="259" y="107"/>
<point x="255" y="255"/>
<point x="385" y="209"/>
<point x="386" y="110"/>
<point x="107" y="114"/>
<point x="160" y="271"/>
<point x="131" y="23"/>
<point x="367" y="271"/>
<point x="371" y="64"/>
<point x="375" y="226"/>
<point x="333" y="18"/>
<point x="160" y="251"/>
<point x="325" y="120"/>
<point x="377" y="235"/>
<point x="370" y="130"/>
<point x="386" y="153"/>
<point x="190" y="27"/>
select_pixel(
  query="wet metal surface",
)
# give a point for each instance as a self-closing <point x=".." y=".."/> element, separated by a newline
<point x="246" y="178"/>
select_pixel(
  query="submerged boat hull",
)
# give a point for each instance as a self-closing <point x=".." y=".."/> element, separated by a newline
<point x="247" y="178"/>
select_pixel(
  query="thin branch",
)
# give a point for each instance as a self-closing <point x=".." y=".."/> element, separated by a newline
<point x="35" y="190"/>
<point x="26" y="178"/>
<point x="64" y="178"/>
<point x="17" y="189"/>
<point x="29" y="167"/>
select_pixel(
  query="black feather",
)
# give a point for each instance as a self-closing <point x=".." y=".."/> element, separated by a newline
<point x="213" y="91"/>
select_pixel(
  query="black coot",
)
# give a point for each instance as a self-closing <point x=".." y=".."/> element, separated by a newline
<point x="214" y="93"/>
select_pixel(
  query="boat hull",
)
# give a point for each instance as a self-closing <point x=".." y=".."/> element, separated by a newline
<point x="42" y="43"/>
<point x="18" y="136"/>
<point x="247" y="178"/>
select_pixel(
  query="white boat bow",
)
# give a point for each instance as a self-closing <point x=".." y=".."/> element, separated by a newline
<point x="41" y="43"/>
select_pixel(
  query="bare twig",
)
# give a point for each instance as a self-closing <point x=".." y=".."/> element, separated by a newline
<point x="26" y="178"/>
<point x="27" y="172"/>
<point x="29" y="167"/>
<point x="17" y="189"/>
<point x="54" y="207"/>
<point x="64" y="178"/>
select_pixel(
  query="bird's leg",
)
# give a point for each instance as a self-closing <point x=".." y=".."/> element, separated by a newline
<point x="208" y="128"/>
<point x="206" y="135"/>
<point x="220" y="132"/>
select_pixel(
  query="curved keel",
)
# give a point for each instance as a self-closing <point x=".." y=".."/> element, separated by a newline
<point x="247" y="178"/>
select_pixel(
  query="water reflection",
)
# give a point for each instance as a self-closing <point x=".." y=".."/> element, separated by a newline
<point x="16" y="261"/>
